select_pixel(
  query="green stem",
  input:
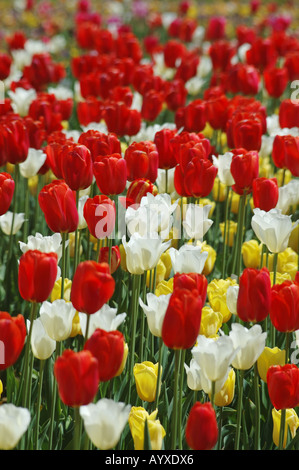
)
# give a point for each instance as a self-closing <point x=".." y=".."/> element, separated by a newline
<point x="76" y="238"/>
<point x="77" y="429"/>
<point x="240" y="239"/>
<point x="54" y="398"/>
<point x="63" y="263"/>
<point x="135" y="300"/>
<point x="38" y="404"/>
<point x="272" y="329"/>
<point x="213" y="393"/>
<point x="26" y="211"/>
<point x="239" y="410"/>
<point x="33" y="313"/>
<point x="177" y="354"/>
<point x="257" y="408"/>
<point x="225" y="232"/>
<point x="180" y="399"/>
<point x="159" y="377"/>
<point x="14" y="210"/>
<point x="282" y="428"/>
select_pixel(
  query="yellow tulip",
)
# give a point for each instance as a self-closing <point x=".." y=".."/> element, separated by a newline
<point x="293" y="240"/>
<point x="124" y="360"/>
<point x="205" y="201"/>
<point x="137" y="418"/>
<point x="226" y="395"/>
<point x="231" y="231"/>
<point x="287" y="262"/>
<point x="123" y="258"/>
<point x="211" y="259"/>
<point x="216" y="293"/>
<point x="160" y="274"/>
<point x="279" y="176"/>
<point x="76" y="327"/>
<point x="291" y="423"/>
<point x="251" y="252"/>
<point x="1" y="388"/>
<point x="166" y="260"/>
<point x="210" y="322"/>
<point x="270" y="357"/>
<point x="145" y="374"/>
<point x="32" y="185"/>
<point x="56" y="291"/>
<point x="234" y="201"/>
<point x="219" y="191"/>
<point x="164" y="287"/>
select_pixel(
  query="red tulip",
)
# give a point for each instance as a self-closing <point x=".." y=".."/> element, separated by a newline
<point x="92" y="286"/>
<point x="192" y="281"/>
<point x="58" y="203"/>
<point x="108" y="348"/>
<point x="110" y="173"/>
<point x="289" y="114"/>
<point x="201" y="427"/>
<point x="276" y="81"/>
<point x="285" y="153"/>
<point x="12" y="338"/>
<point x="89" y="110"/>
<point x="142" y="161"/>
<point x="115" y="257"/>
<point x="77" y="377"/>
<point x="254" y="296"/>
<point x="262" y="53"/>
<point x="198" y="177"/>
<point x="246" y="132"/>
<point x="265" y="193"/>
<point x="283" y="386"/>
<point x="192" y="117"/>
<point x="76" y="166"/>
<point x="291" y="63"/>
<point x="173" y="50"/>
<point x="7" y="187"/>
<point x="15" y="140"/>
<point x="122" y="120"/>
<point x="55" y="144"/>
<point x="5" y="65"/>
<point x="43" y="71"/>
<point x="175" y="94"/>
<point x="182" y="319"/>
<point x="284" y="308"/>
<point x="221" y="53"/>
<point x="217" y="109"/>
<point x="152" y="105"/>
<point x="100" y="143"/>
<point x="216" y="28"/>
<point x="37" y="275"/>
<point x="138" y="189"/>
<point x="99" y="213"/>
<point x="244" y="169"/>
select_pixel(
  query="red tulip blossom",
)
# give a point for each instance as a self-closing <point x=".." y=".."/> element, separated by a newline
<point x="76" y="166"/>
<point x="283" y="386"/>
<point x="244" y="169"/>
<point x="253" y="304"/>
<point x="110" y="172"/>
<point x="284" y="308"/>
<point x="12" y="338"/>
<point x="100" y="213"/>
<point x="201" y="427"/>
<point x="142" y="161"/>
<point x="7" y="187"/>
<point x="265" y="193"/>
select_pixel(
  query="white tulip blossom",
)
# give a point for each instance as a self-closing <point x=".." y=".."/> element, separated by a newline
<point x="6" y="221"/>
<point x="188" y="259"/>
<point x="272" y="228"/>
<point x="196" y="222"/>
<point x="249" y="344"/>
<point x="223" y="163"/>
<point x="45" y="244"/>
<point x="106" y="319"/>
<point x="33" y="163"/>
<point x="155" y="310"/>
<point x="232" y="298"/>
<point x="143" y="253"/>
<point x="14" y="422"/>
<point x="104" y="422"/>
<point x="288" y="196"/>
<point x="41" y="344"/>
<point x="21" y="100"/>
<point x="194" y="376"/>
<point x="57" y="318"/>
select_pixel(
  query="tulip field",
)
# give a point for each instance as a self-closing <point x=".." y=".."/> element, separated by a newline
<point x="149" y="226"/>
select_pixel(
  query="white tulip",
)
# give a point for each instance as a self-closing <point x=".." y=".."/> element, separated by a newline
<point x="197" y="223"/>
<point x="193" y="373"/>
<point x="223" y="163"/>
<point x="6" y="222"/>
<point x="249" y="344"/>
<point x="46" y="244"/>
<point x="188" y="259"/>
<point x="272" y="228"/>
<point x="14" y="422"/>
<point x="143" y="253"/>
<point x="106" y="319"/>
<point x="21" y="100"/>
<point x="155" y="311"/>
<point x="41" y="344"/>
<point x="288" y="196"/>
<point x="104" y="422"/>
<point x="33" y="163"/>
<point x="232" y="298"/>
<point x="57" y="318"/>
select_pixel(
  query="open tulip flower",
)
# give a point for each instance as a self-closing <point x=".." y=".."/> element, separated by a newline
<point x="149" y="227"/>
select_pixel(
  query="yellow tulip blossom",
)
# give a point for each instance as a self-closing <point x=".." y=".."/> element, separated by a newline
<point x="287" y="262"/>
<point x="146" y="374"/>
<point x="293" y="240"/>
<point x="56" y="291"/>
<point x="137" y="418"/>
<point x="219" y="191"/>
<point x="226" y="395"/>
<point x="211" y="259"/>
<point x="270" y="357"/>
<point x="210" y="322"/>
<point x="251" y="252"/>
<point x="1" y="388"/>
<point x="164" y="287"/>
<point x="291" y="423"/>
<point x="231" y="231"/>
<point x="216" y="293"/>
<point x="124" y="360"/>
<point x="234" y="202"/>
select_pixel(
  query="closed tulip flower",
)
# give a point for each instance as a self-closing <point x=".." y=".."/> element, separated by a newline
<point x="110" y="172"/>
<point x="106" y="319"/>
<point x="108" y="348"/>
<point x="194" y="375"/>
<point x="244" y="169"/>
<point x="291" y="424"/>
<point x="226" y="395"/>
<point x="265" y="193"/>
<point x="182" y="319"/>
<point x="7" y="219"/>
<point x="104" y="422"/>
<point x="7" y="187"/>
<point x="232" y="298"/>
<point x="272" y="228"/>
<point x="201" y="427"/>
<point x="15" y="137"/>
<point x="188" y="259"/>
<point x="37" y="275"/>
<point x="155" y="310"/>
<point x="142" y="161"/>
<point x="12" y="338"/>
<point x="77" y="377"/>
<point x="284" y="307"/>
<point x="14" y="422"/>
<point x="217" y="290"/>
<point x="192" y="281"/>
<point x="92" y="286"/>
<point x="137" y="418"/>
<point x="33" y="163"/>
<point x="57" y="319"/>
<point x="99" y="213"/>
<point x="58" y="203"/>
<point x="145" y="375"/>
<point x="41" y="344"/>
<point x="289" y="114"/>
<point x="270" y="357"/>
<point x="249" y="344"/>
<point x="251" y="253"/>
<point x="210" y="322"/>
<point x="283" y="386"/>
<point x="223" y="163"/>
<point x="162" y="141"/>
<point x="76" y="166"/>
<point x="253" y="304"/>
